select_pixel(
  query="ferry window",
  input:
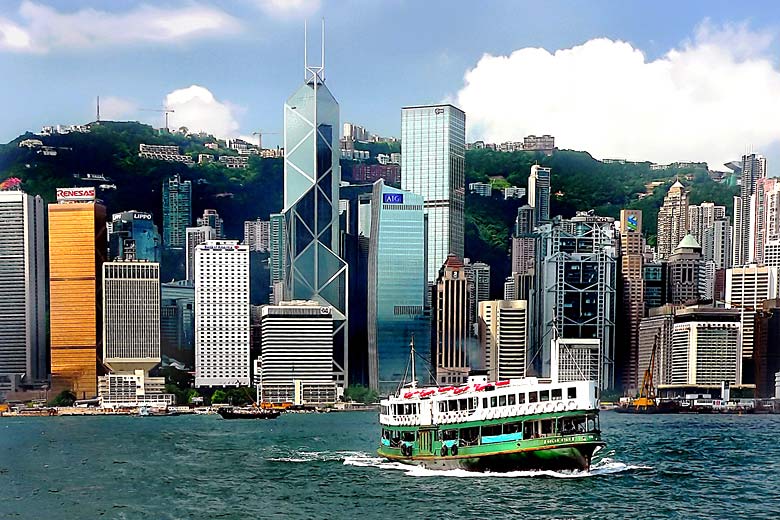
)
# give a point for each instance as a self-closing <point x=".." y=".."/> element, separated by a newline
<point x="510" y="399"/>
<point x="449" y="435"/>
<point x="533" y="397"/>
<point x="452" y="405"/>
<point x="501" y="400"/>
<point x="489" y="431"/>
<point x="442" y="406"/>
<point x="407" y="436"/>
<point x="529" y="429"/>
<point x="572" y="392"/>
<point x="521" y="398"/>
<point x="513" y="427"/>
<point x="484" y="402"/>
<point x="463" y="404"/>
<point x="547" y="427"/>
<point x="557" y="394"/>
<point x="544" y="395"/>
<point x="493" y="402"/>
<point x="469" y="436"/>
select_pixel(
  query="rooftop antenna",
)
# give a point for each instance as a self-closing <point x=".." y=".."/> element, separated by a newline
<point x="314" y="72"/>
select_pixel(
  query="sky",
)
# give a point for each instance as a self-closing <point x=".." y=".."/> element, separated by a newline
<point x="661" y="81"/>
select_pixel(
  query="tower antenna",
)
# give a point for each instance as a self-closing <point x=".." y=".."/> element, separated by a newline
<point x="98" y="109"/>
<point x="314" y="72"/>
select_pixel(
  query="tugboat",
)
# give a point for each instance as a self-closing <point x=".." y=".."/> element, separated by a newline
<point x="497" y="426"/>
<point x="230" y="412"/>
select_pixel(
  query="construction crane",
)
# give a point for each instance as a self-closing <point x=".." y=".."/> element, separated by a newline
<point x="166" y="110"/>
<point x="646" y="397"/>
<point x="260" y="135"/>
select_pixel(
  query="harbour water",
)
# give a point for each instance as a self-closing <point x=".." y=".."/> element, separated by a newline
<point x="323" y="466"/>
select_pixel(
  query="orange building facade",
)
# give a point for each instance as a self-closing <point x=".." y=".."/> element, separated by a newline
<point x="77" y="246"/>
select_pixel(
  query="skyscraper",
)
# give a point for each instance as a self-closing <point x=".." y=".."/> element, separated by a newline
<point x="195" y="237"/>
<point x="77" y="247"/>
<point x="396" y="285"/>
<point x="313" y="270"/>
<point x="23" y="305"/>
<point x="256" y="235"/>
<point x="450" y="320"/>
<point x="539" y="183"/>
<point x="177" y="211"/>
<point x="276" y="250"/>
<point x="503" y="335"/>
<point x="672" y="220"/>
<point x="131" y="315"/>
<point x="212" y="219"/>
<point x="633" y="297"/>
<point x="133" y="236"/>
<point x="747" y="287"/>
<point x="433" y="141"/>
<point x="684" y="272"/>
<point x="296" y="353"/>
<point x="478" y="278"/>
<point x="221" y="314"/>
<point x="753" y="169"/>
<point x="702" y="217"/>
<point x="578" y="289"/>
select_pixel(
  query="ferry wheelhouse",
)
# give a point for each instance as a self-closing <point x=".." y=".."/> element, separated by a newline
<point x="500" y="426"/>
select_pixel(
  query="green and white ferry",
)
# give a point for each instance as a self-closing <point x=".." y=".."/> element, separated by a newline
<point x="497" y="426"/>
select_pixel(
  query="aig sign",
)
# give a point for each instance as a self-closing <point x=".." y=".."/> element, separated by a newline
<point x="393" y="198"/>
<point x="75" y="194"/>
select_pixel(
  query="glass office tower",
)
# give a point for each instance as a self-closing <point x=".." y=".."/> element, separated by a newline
<point x="133" y="236"/>
<point x="432" y="165"/>
<point x="177" y="211"/>
<point x="396" y="286"/>
<point x="313" y="270"/>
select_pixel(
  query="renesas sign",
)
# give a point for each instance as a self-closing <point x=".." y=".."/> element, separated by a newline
<point x="392" y="198"/>
<point x="75" y="194"/>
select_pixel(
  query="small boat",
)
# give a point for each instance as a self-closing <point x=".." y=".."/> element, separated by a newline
<point x="229" y="412"/>
<point x="497" y="426"/>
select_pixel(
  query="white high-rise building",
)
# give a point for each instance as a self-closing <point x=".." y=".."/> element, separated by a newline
<point x="716" y="244"/>
<point x="196" y="236"/>
<point x="753" y="170"/>
<point x="705" y="347"/>
<point x="23" y="303"/>
<point x="221" y="314"/>
<point x="747" y="288"/>
<point x="131" y="315"/>
<point x="539" y="185"/>
<point x="503" y="334"/>
<point x="433" y="140"/>
<point x="257" y="235"/>
<point x="702" y="217"/>
<point x="296" y="353"/>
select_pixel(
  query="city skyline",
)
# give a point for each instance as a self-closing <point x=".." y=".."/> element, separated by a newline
<point x="440" y="67"/>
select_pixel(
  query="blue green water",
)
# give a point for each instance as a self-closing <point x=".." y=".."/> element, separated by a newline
<point x="323" y="466"/>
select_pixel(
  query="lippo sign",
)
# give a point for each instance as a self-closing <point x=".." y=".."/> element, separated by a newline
<point x="75" y="194"/>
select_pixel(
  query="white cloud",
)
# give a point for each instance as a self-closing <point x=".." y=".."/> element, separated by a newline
<point x="706" y="100"/>
<point x="288" y="8"/>
<point x="43" y="28"/>
<point x="196" y="108"/>
<point x="114" y="108"/>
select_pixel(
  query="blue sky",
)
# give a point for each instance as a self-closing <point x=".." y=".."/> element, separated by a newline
<point x="56" y="56"/>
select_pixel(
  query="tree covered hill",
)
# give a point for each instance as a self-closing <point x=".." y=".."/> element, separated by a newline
<point x="579" y="182"/>
<point x="111" y="149"/>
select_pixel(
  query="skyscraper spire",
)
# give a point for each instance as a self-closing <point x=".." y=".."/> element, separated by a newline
<point x="313" y="72"/>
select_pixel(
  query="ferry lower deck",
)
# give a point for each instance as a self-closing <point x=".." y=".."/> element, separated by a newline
<point x="560" y="440"/>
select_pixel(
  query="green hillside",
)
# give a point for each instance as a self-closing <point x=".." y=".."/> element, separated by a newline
<point x="579" y="182"/>
<point x="111" y="149"/>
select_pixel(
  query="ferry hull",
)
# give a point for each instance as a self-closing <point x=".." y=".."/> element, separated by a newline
<point x="561" y="458"/>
